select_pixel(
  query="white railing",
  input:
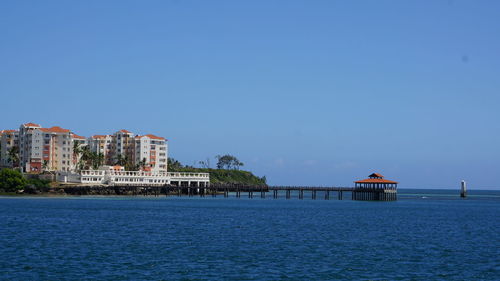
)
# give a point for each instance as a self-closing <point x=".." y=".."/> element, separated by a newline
<point x="140" y="177"/>
<point x="187" y="175"/>
<point x="92" y="173"/>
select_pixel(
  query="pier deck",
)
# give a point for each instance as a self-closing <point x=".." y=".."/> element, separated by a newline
<point x="300" y="192"/>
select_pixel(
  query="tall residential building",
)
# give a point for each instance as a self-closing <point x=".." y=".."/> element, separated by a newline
<point x="123" y="146"/>
<point x="39" y="149"/>
<point x="30" y="147"/>
<point x="52" y="149"/>
<point x="8" y="140"/>
<point x="148" y="152"/>
<point x="151" y="151"/>
<point x="102" y="144"/>
<point x="57" y="149"/>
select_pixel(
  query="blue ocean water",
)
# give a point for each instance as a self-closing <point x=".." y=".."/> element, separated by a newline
<point x="425" y="235"/>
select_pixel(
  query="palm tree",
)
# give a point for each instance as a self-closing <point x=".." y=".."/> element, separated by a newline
<point x="86" y="158"/>
<point x="100" y="159"/>
<point x="14" y="156"/>
<point x="97" y="159"/>
<point x="140" y="165"/>
<point x="76" y="153"/>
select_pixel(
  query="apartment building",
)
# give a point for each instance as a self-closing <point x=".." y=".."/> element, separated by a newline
<point x="147" y="152"/>
<point x="151" y="150"/>
<point x="8" y="140"/>
<point x="123" y="146"/>
<point x="31" y="147"/>
<point x="57" y="153"/>
<point x="102" y="144"/>
<point x="52" y="149"/>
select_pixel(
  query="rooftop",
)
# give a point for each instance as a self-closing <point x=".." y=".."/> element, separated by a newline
<point x="55" y="129"/>
<point x="99" y="136"/>
<point x="75" y="136"/>
<point x="375" y="178"/>
<point x="31" y="125"/>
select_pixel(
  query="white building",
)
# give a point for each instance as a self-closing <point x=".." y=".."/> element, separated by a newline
<point x="52" y="149"/>
<point x="147" y="152"/>
<point x="102" y="144"/>
<point x="120" y="177"/>
<point x="151" y="151"/>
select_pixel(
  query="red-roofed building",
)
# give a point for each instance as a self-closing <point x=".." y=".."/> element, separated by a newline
<point x="42" y="149"/>
<point x="103" y="144"/>
<point x="375" y="187"/>
<point x="375" y="180"/>
<point x="32" y="125"/>
<point x="151" y="153"/>
<point x="52" y="149"/>
<point x="148" y="152"/>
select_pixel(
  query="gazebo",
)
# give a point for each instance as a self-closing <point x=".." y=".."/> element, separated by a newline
<point x="375" y="187"/>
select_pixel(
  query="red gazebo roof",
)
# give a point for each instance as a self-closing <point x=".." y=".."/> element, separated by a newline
<point x="375" y="178"/>
<point x="375" y="181"/>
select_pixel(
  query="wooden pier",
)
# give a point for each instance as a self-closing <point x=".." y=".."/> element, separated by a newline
<point x="238" y="191"/>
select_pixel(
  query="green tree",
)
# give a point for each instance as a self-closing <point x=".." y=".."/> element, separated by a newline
<point x="121" y="160"/>
<point x="12" y="180"/>
<point x="77" y="151"/>
<point x="228" y="162"/>
<point x="174" y="165"/>
<point x="96" y="160"/>
<point x="141" y="165"/>
<point x="14" y="156"/>
<point x="85" y="161"/>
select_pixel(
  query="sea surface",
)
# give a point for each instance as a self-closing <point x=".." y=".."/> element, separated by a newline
<point x="425" y="235"/>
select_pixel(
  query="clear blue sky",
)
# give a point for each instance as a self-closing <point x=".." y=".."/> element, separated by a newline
<point x="304" y="92"/>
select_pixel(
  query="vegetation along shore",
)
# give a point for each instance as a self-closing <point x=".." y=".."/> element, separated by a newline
<point x="227" y="171"/>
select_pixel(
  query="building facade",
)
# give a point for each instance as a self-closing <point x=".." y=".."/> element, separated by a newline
<point x="35" y="149"/>
<point x="9" y="140"/>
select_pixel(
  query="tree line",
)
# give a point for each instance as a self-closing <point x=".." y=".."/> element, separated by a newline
<point x="224" y="162"/>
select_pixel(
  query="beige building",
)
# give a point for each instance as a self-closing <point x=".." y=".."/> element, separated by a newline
<point x="8" y="140"/>
<point x="102" y="144"/>
<point x="52" y="149"/>
<point x="147" y="152"/>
